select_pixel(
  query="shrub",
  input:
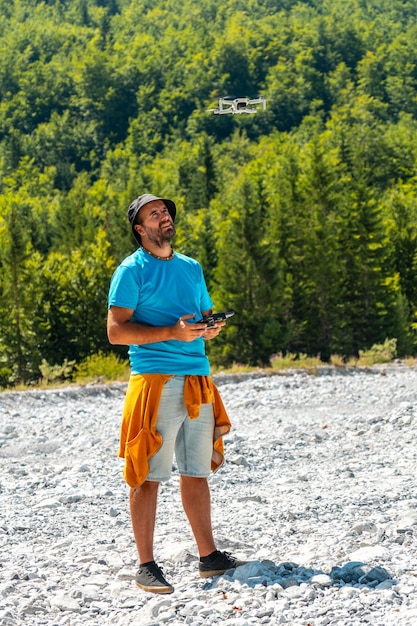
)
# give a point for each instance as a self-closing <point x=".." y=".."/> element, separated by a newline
<point x="298" y="361"/>
<point x="101" y="368"/>
<point x="54" y="373"/>
<point x="378" y="353"/>
<point x="6" y="377"/>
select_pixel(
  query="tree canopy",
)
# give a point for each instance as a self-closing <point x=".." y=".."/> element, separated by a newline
<point x="303" y="215"/>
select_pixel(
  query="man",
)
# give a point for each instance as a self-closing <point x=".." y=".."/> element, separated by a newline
<point x="156" y="298"/>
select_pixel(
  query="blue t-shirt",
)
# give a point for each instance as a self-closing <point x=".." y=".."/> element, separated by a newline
<point x="160" y="292"/>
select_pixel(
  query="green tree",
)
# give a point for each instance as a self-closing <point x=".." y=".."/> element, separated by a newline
<point x="247" y="277"/>
<point x="18" y="351"/>
<point x="316" y="264"/>
<point x="72" y="310"/>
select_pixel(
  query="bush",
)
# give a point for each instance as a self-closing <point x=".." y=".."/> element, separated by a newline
<point x="379" y="353"/>
<point x="54" y="373"/>
<point x="101" y="368"/>
<point x="6" y="377"/>
<point x="298" y="361"/>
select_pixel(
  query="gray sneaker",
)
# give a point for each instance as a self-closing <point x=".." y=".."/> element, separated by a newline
<point x="150" y="578"/>
<point x="218" y="564"/>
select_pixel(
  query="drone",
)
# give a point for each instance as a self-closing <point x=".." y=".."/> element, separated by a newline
<point x="238" y="105"/>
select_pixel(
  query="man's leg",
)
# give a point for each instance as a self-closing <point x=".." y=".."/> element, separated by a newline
<point x="143" y="513"/>
<point x="195" y="494"/>
<point x="193" y="449"/>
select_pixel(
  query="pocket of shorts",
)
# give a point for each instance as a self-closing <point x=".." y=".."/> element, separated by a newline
<point x="138" y="452"/>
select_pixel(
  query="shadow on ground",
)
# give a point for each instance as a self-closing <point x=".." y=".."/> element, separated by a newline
<point x="266" y="573"/>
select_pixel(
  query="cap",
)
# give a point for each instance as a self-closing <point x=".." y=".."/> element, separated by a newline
<point x="140" y="202"/>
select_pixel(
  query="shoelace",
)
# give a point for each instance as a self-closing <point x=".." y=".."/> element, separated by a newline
<point x="154" y="572"/>
<point x="230" y="557"/>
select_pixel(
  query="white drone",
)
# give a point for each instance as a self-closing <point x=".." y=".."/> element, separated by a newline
<point x="238" y="105"/>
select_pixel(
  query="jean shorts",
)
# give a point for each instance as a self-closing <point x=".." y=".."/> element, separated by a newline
<point x="190" y="439"/>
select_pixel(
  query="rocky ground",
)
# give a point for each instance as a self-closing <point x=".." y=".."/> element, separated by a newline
<point x="318" y="492"/>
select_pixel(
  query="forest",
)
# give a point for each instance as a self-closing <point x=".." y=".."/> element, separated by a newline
<point x="303" y="216"/>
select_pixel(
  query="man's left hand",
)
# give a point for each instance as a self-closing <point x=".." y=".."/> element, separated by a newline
<point x="212" y="331"/>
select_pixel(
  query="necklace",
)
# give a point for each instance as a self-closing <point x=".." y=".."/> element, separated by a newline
<point x="160" y="258"/>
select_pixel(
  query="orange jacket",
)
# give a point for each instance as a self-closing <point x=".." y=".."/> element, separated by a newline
<point x="139" y="439"/>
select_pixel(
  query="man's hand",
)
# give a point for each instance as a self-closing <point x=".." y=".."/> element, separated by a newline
<point x="188" y="332"/>
<point x="185" y="331"/>
<point x="212" y="331"/>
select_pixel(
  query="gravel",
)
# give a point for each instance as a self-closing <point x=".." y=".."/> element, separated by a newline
<point x="318" y="493"/>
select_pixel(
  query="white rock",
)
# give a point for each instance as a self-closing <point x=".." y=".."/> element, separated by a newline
<point x="64" y="602"/>
<point x="369" y="553"/>
<point x="49" y="503"/>
<point x="322" y="579"/>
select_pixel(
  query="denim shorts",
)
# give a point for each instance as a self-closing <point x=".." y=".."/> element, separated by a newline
<point x="190" y="439"/>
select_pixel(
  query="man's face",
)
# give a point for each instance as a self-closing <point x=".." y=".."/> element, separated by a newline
<point x="156" y="224"/>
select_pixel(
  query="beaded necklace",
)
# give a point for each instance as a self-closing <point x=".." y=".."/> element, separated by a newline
<point x="160" y="258"/>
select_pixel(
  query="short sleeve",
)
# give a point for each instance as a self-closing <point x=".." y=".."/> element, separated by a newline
<point x="124" y="288"/>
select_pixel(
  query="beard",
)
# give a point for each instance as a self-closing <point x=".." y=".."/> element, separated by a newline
<point x="160" y="236"/>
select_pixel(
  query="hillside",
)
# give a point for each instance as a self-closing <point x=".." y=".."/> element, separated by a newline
<point x="303" y="215"/>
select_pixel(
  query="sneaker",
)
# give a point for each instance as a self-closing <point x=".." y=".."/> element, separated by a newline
<point x="150" y="578"/>
<point x="218" y="563"/>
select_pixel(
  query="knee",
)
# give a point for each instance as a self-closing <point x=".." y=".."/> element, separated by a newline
<point x="193" y="480"/>
<point x="148" y="486"/>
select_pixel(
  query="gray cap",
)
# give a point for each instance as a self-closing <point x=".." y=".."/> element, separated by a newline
<point x="140" y="202"/>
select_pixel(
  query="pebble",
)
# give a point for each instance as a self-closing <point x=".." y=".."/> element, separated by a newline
<point x="317" y="493"/>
